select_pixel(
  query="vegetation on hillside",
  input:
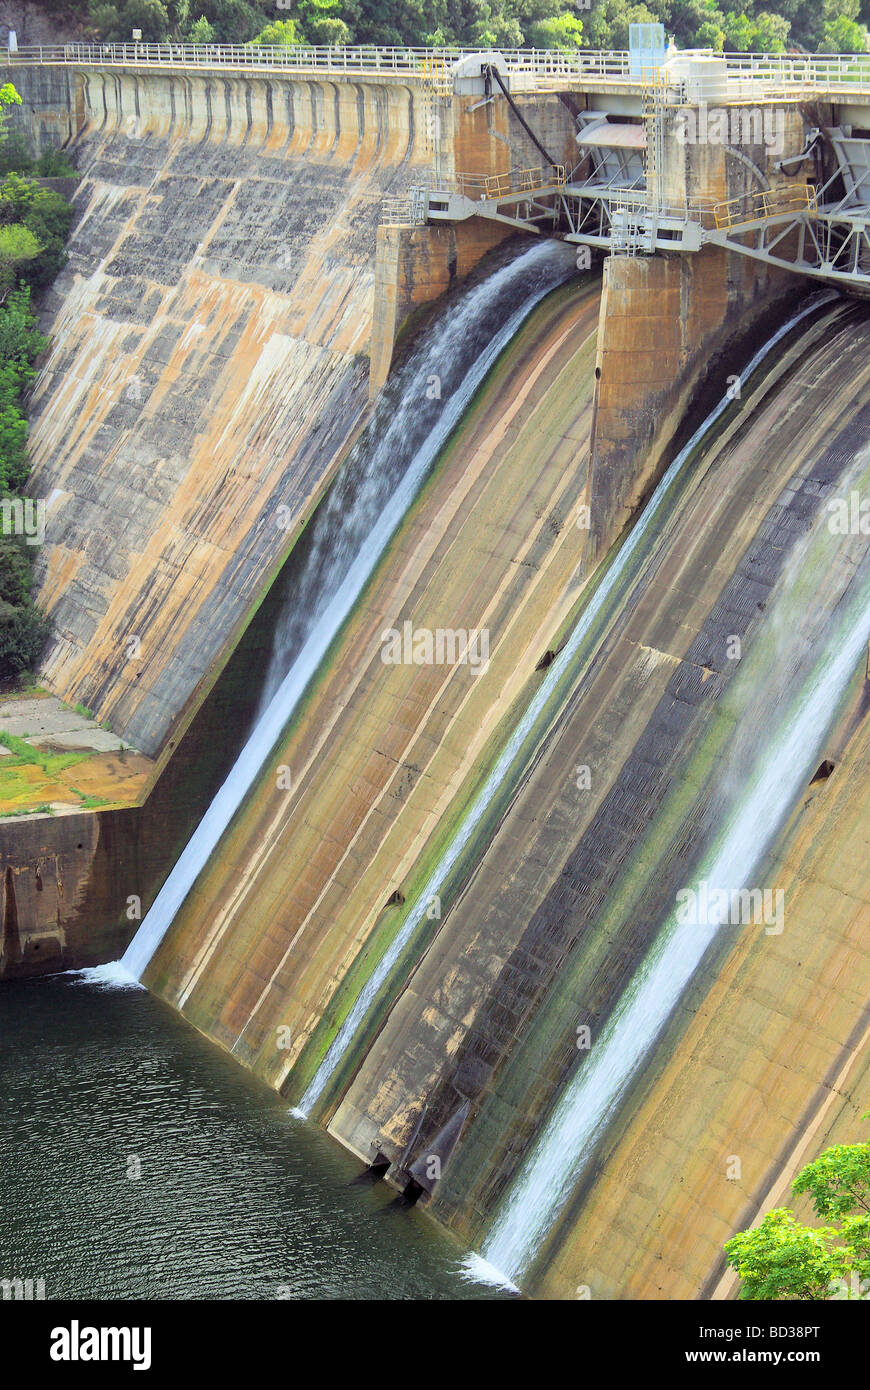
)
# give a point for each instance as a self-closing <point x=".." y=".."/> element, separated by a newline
<point x="815" y="26"/>
<point x="34" y="223"/>
<point x="784" y="1259"/>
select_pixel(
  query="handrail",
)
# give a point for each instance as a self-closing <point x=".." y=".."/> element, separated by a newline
<point x="773" y="71"/>
<point x="512" y="181"/>
<point x="422" y="62"/>
<point x="763" y="204"/>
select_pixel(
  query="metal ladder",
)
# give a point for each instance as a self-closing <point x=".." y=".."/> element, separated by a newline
<point x="655" y="92"/>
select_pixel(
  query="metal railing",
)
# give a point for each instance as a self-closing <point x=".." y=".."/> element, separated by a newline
<point x="762" y="205"/>
<point x="513" y="181"/>
<point x="405" y="209"/>
<point x="427" y="63"/>
<point x="819" y="70"/>
<point x="783" y="72"/>
<point x="638" y="201"/>
<point x="395" y="210"/>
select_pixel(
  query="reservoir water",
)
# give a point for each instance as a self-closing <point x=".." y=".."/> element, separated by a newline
<point x="234" y="1198"/>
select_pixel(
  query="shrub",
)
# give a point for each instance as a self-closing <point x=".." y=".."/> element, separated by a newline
<point x="23" y="633"/>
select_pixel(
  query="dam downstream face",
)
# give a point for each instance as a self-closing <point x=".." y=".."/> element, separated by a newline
<point x="181" y="1179"/>
<point x="538" y="673"/>
<point x="666" y="696"/>
<point x="369" y="500"/>
<point x="312" y="918"/>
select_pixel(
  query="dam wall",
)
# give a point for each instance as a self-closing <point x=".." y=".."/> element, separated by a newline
<point x="565" y="886"/>
<point x="768" y="1068"/>
<point x="214" y="339"/>
<point x="208" y="359"/>
<point x="672" y="325"/>
<point x="231" y="310"/>
<point x="415" y="264"/>
<point x="76" y="884"/>
<point x="565" y="900"/>
<point x="383" y="756"/>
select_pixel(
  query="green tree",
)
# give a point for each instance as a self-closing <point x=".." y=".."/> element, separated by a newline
<point x="234" y="21"/>
<point x="607" y="24"/>
<point x="20" y="339"/>
<point x="44" y="213"/>
<point x="15" y="576"/>
<point x="200" y="31"/>
<point x="116" y="22"/>
<point x="18" y="245"/>
<point x="8" y="97"/>
<point x="563" y="31"/>
<point x="739" y="32"/>
<point x="15" y="152"/>
<point x="23" y="632"/>
<point x="34" y="223"/>
<point x="783" y="1258"/>
<point x="843" y="35"/>
<point x="838" y="1182"/>
<point x="771" y="32"/>
<point x="281" y="33"/>
<point x="398" y="22"/>
<point x="710" y="35"/>
<point x="684" y="18"/>
<point x="20" y="344"/>
<point x="324" y="21"/>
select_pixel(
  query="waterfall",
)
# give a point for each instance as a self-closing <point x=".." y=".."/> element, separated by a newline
<point x="557" y="1156"/>
<point x="383" y="474"/>
<point x="476" y="811"/>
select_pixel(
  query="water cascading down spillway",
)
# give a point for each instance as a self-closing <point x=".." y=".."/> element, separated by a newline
<point x="517" y="748"/>
<point x="347" y="1071"/>
<point x="782" y="766"/>
<point x="377" y="484"/>
<point x="434" y="1053"/>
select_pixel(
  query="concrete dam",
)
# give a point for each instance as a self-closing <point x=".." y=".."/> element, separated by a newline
<point x="453" y="477"/>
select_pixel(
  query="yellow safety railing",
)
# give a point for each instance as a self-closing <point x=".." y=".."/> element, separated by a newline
<point x="434" y="68"/>
<point x="762" y="205"/>
<point x="513" y="181"/>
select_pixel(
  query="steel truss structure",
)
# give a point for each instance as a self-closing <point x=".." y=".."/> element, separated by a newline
<point x="789" y="226"/>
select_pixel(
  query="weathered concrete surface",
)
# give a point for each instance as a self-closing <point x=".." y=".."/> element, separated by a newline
<point x="414" y="266"/>
<point x="69" y="761"/>
<point x="669" y="323"/>
<point x="51" y="868"/>
<point x="209" y="344"/>
<point x="417" y="264"/>
<point x="100" y="870"/>
<point x="666" y="322"/>
<point x="207" y="361"/>
<point x="563" y="903"/>
<point x="776" y="1042"/>
<point x="43" y="718"/>
<point x="381" y="754"/>
<point x="565" y="899"/>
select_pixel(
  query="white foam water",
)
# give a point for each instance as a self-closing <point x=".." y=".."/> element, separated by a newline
<point x="110" y="976"/>
<point x="474" y="1269"/>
